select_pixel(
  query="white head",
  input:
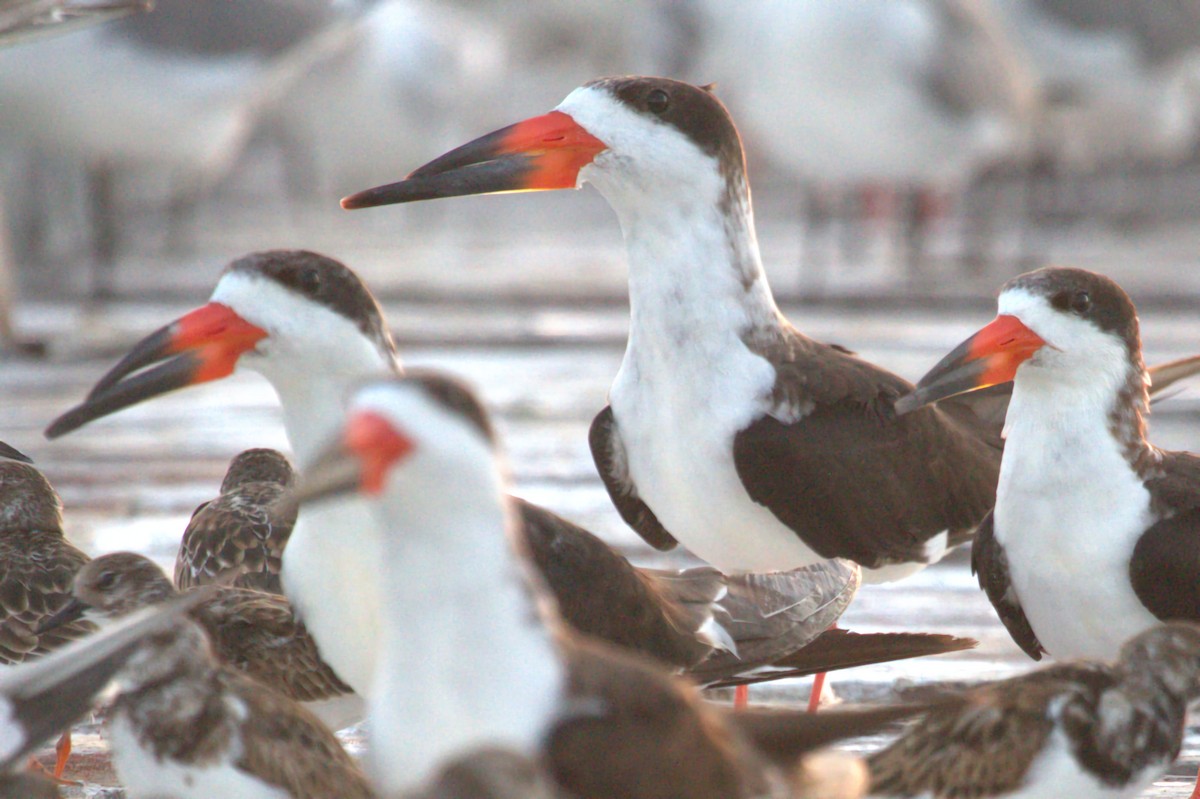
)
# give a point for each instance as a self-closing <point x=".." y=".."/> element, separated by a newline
<point x="299" y="318"/>
<point x="1065" y="332"/>
<point x="630" y="136"/>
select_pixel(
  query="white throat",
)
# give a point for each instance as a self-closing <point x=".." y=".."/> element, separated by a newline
<point x="470" y="660"/>
<point x="1069" y="511"/>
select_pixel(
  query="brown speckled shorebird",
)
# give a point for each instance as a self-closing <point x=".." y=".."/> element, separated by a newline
<point x="238" y="538"/>
<point x="37" y="566"/>
<point x="1069" y="730"/>
<point x="184" y="726"/>
<point x="43" y="698"/>
<point x="254" y="632"/>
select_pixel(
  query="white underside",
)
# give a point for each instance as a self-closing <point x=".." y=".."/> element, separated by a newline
<point x="145" y="777"/>
<point x="681" y="458"/>
<point x="1069" y="511"/>
<point x="334" y="584"/>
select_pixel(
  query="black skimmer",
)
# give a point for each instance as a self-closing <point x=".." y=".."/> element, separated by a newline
<point x="1072" y="729"/>
<point x="254" y="632"/>
<point x="238" y="538"/>
<point x="727" y="430"/>
<point x="1092" y="540"/>
<point x="184" y="726"/>
<point x="311" y="327"/>
<point x="43" y="698"/>
<point x="604" y="722"/>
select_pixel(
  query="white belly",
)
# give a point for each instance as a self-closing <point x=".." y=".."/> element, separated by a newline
<point x="145" y="777"/>
<point x="1068" y="518"/>
<point x="678" y="439"/>
<point x="331" y="575"/>
<point x="1054" y="775"/>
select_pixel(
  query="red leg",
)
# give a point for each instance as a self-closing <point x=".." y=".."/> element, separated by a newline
<point x="741" y="696"/>
<point x="814" y="699"/>
<point x="63" y="750"/>
<point x="1196" y="789"/>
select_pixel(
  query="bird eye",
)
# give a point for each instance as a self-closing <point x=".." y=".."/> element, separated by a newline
<point x="309" y="281"/>
<point x="1081" y="303"/>
<point x="658" y="101"/>
<point x="106" y="580"/>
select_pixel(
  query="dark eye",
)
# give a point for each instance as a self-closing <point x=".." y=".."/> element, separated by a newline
<point x="658" y="101"/>
<point x="106" y="580"/>
<point x="309" y="281"/>
<point x="1081" y="302"/>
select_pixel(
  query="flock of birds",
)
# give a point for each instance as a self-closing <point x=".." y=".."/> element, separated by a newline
<point x="496" y="649"/>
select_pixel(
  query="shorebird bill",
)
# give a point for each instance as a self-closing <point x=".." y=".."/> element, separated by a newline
<point x="988" y="358"/>
<point x="198" y="347"/>
<point x="539" y="154"/>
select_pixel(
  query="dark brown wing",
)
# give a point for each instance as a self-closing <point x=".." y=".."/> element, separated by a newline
<point x="630" y="730"/>
<point x="601" y="594"/>
<point x="981" y="744"/>
<point x="240" y="533"/>
<point x="849" y="476"/>
<point x="609" y="454"/>
<point x="285" y="745"/>
<point x="37" y="569"/>
<point x="1165" y="567"/>
<point x="257" y="634"/>
<point x="990" y="565"/>
<point x="841" y="649"/>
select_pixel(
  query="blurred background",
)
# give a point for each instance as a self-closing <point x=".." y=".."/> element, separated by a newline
<point x="907" y="157"/>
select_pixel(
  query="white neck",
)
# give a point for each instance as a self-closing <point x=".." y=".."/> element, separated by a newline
<point x="313" y="396"/>
<point x="693" y="269"/>
<point x="470" y="659"/>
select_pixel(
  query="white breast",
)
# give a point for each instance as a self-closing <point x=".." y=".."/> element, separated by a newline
<point x="677" y="420"/>
<point x="146" y="777"/>
<point x="1069" y="511"/>
<point x="334" y="585"/>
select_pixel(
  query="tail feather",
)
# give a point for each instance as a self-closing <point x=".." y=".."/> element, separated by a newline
<point x="784" y="735"/>
<point x="842" y="649"/>
<point x="771" y="616"/>
<point x="1165" y="375"/>
<point x="692" y="597"/>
